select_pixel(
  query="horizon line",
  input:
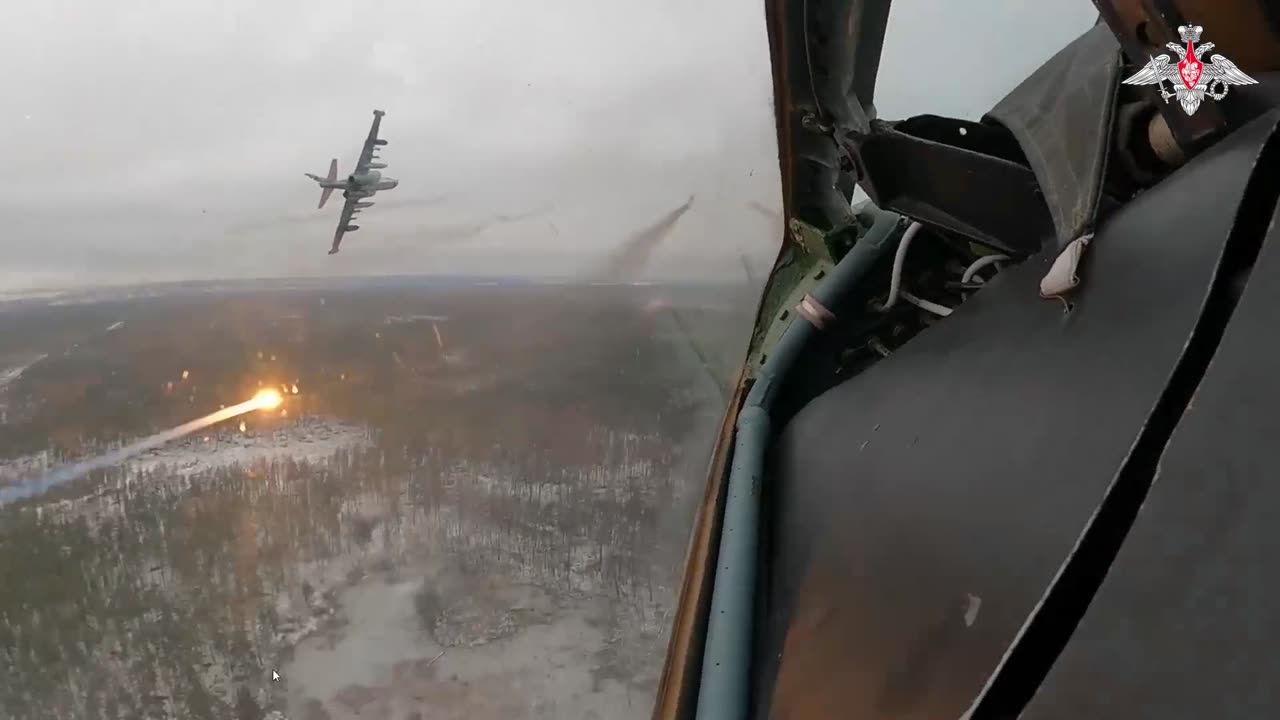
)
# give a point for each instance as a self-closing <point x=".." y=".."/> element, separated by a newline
<point x="558" y="279"/>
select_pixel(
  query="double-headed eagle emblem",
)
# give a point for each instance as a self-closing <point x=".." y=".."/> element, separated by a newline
<point x="1191" y="78"/>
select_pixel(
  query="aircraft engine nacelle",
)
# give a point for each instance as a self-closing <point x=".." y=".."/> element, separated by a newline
<point x="377" y="165"/>
<point x="364" y="204"/>
<point x="379" y="141"/>
<point x="351" y="228"/>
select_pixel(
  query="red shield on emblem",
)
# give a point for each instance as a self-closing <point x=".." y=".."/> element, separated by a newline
<point x="1190" y="68"/>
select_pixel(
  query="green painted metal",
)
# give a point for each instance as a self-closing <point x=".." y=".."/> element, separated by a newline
<point x="814" y="255"/>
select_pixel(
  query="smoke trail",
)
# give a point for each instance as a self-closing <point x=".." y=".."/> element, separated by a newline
<point x="65" y="474"/>
<point x="636" y="251"/>
<point x="765" y="210"/>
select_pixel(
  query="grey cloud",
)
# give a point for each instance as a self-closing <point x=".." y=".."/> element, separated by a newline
<point x="148" y="140"/>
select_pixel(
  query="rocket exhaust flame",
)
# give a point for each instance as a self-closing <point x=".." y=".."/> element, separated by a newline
<point x="264" y="400"/>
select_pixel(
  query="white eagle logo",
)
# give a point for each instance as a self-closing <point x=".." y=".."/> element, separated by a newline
<point x="1192" y="79"/>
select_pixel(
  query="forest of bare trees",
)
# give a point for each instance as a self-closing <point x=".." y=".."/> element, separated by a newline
<point x="549" y="440"/>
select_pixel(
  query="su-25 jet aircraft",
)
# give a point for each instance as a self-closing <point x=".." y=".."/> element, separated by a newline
<point x="363" y="182"/>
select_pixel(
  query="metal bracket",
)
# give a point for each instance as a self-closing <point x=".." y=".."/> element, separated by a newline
<point x="813" y="240"/>
<point x="957" y="175"/>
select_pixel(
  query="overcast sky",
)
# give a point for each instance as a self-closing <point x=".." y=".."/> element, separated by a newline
<point x="148" y="140"/>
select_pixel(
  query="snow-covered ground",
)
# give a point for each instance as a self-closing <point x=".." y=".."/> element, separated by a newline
<point x="9" y="374"/>
<point x="403" y="319"/>
<point x="397" y="625"/>
<point x="20" y="295"/>
<point x="306" y="439"/>
<point x="12" y="471"/>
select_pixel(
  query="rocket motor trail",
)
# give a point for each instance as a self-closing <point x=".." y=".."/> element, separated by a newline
<point x="265" y="400"/>
<point x="636" y="251"/>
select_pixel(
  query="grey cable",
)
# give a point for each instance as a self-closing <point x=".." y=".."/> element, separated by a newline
<point x="899" y="258"/>
<point x="933" y="307"/>
<point x="980" y="263"/>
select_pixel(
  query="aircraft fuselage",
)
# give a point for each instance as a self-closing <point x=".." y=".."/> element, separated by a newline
<point x="369" y="182"/>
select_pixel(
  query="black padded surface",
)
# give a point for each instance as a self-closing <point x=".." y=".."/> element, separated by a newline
<point x="1187" y="622"/>
<point x="961" y="471"/>
<point x="1062" y="117"/>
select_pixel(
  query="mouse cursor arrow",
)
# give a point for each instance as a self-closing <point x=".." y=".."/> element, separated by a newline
<point x="275" y="676"/>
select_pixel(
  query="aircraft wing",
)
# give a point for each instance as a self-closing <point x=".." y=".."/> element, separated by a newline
<point x="371" y="143"/>
<point x="344" y="221"/>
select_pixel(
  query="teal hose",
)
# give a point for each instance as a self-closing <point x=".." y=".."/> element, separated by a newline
<point x="726" y="659"/>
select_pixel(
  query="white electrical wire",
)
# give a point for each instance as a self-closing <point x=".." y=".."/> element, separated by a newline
<point x="895" y="282"/>
<point x="933" y="307"/>
<point x="980" y="263"/>
<point x="875" y="344"/>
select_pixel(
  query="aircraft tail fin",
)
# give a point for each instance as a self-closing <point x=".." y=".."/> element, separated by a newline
<point x="333" y="176"/>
